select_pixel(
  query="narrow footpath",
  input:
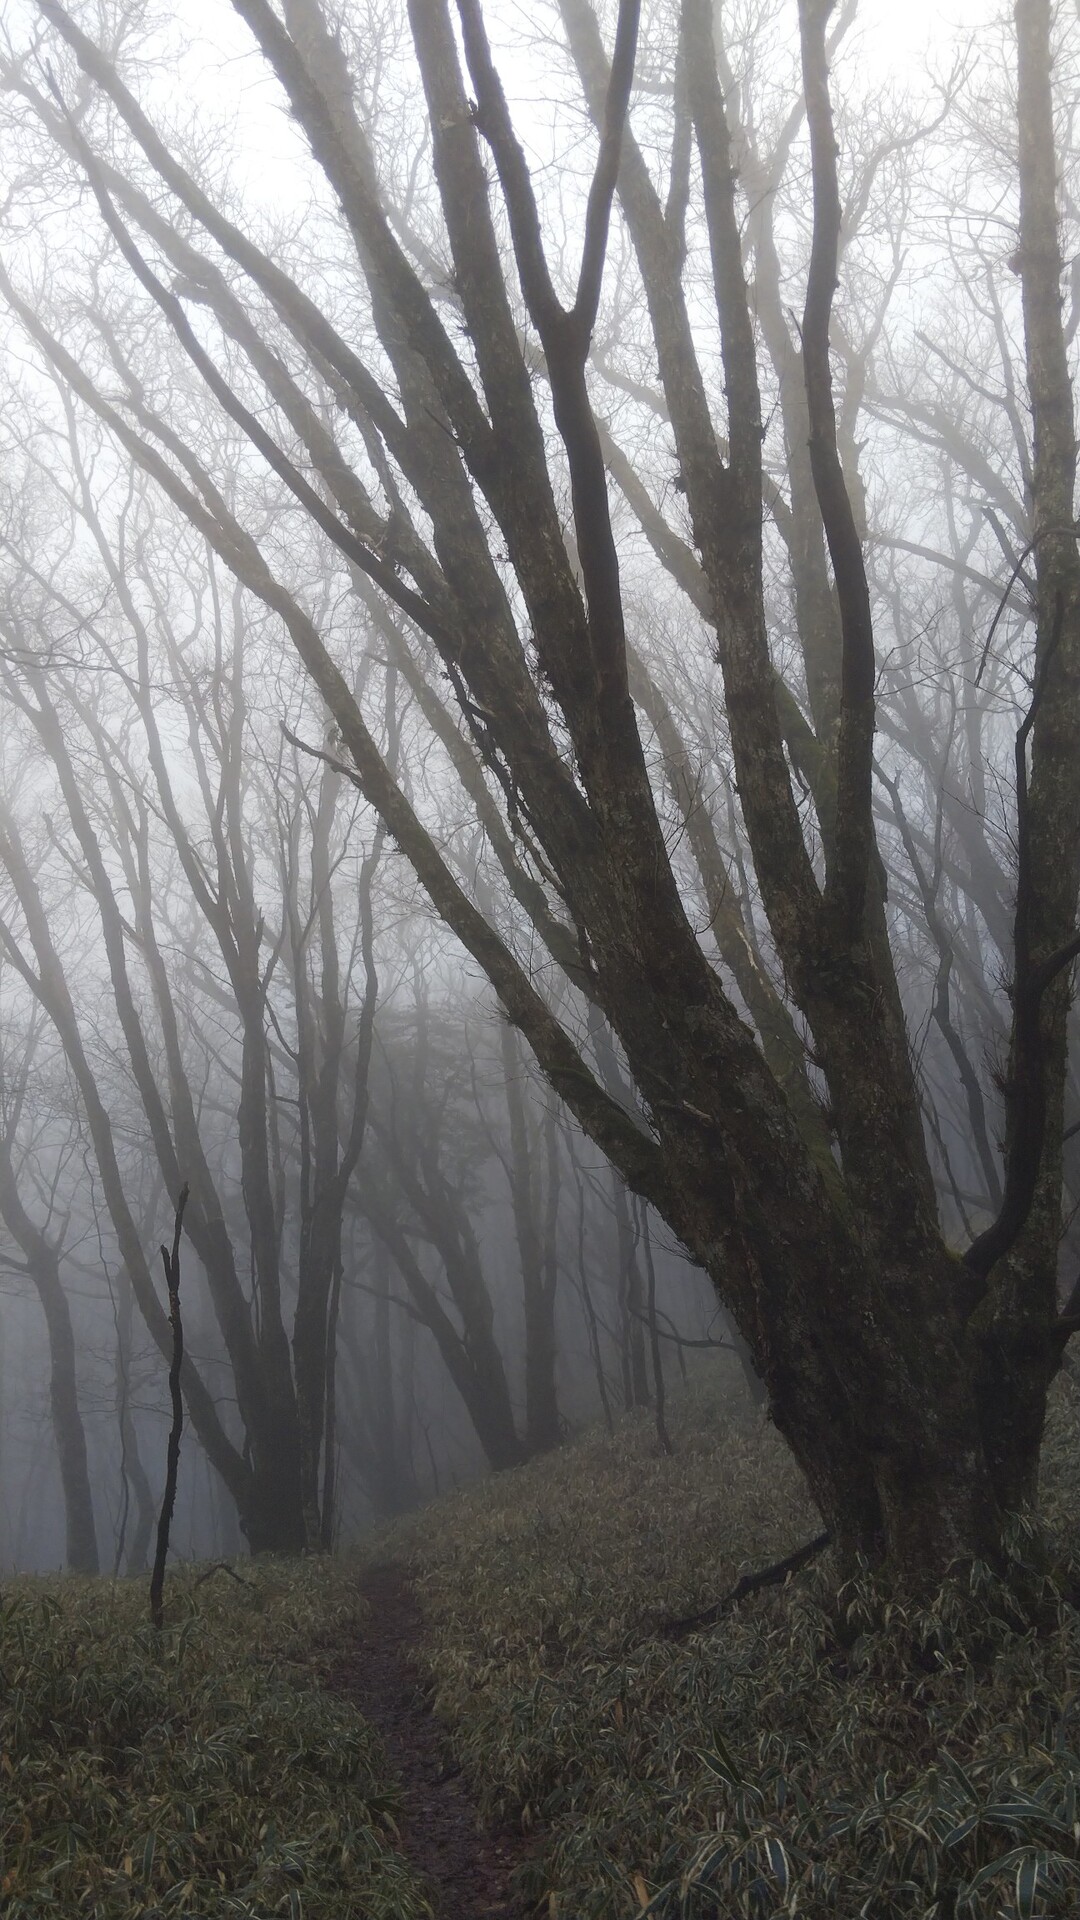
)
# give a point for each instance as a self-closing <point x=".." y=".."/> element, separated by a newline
<point x="468" y="1869"/>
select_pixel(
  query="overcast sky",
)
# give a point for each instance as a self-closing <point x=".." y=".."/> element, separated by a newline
<point x="907" y="33"/>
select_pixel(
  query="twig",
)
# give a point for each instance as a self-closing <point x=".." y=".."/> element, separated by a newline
<point x="1044" y="534"/>
<point x="683" y="1340"/>
<point x="171" y="1263"/>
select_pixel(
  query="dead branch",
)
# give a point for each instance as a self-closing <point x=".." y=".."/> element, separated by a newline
<point x="222" y="1566"/>
<point x="747" y="1583"/>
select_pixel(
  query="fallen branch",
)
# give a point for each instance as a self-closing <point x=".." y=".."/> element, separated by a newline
<point x="747" y="1583"/>
<point x="222" y="1566"/>
<point x="171" y="1263"/>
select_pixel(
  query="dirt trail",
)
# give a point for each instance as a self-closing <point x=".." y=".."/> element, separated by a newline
<point x="467" y="1867"/>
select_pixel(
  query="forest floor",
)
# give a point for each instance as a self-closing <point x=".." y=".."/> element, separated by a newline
<point x="467" y="1870"/>
<point x="814" y="1752"/>
<point x="207" y="1770"/>
<point x="486" y="1714"/>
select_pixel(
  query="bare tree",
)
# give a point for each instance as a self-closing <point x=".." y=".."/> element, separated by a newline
<point x="40" y="1242"/>
<point x="463" y="483"/>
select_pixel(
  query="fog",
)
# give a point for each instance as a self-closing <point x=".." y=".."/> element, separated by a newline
<point x="392" y="805"/>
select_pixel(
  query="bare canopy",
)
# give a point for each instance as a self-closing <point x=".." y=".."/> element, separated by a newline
<point x="437" y="419"/>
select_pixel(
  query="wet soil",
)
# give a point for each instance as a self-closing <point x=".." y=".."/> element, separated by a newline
<point x="467" y="1868"/>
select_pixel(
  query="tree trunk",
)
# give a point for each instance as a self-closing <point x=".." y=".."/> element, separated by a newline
<point x="43" y="1266"/>
<point x="1019" y="1351"/>
<point x="133" y="1475"/>
<point x="631" y="1301"/>
<point x="70" y="1435"/>
<point x="471" y="1356"/>
<point x="910" y="1383"/>
<point x="538" y="1293"/>
<point x="885" y="1424"/>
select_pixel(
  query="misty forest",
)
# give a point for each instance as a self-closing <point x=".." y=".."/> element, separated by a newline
<point x="539" y="864"/>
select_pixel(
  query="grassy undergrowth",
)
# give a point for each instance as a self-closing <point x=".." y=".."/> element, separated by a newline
<point x="808" y="1755"/>
<point x="199" y="1772"/>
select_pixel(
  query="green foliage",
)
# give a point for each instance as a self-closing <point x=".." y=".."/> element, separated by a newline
<point x="201" y="1771"/>
<point x="811" y="1754"/>
<point x="814" y="1754"/>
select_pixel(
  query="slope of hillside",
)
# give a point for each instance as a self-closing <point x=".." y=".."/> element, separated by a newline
<point x="202" y="1772"/>
<point x="811" y="1754"/>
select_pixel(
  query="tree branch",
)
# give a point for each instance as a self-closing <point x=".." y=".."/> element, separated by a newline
<point x="602" y="190"/>
<point x="849" y="867"/>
